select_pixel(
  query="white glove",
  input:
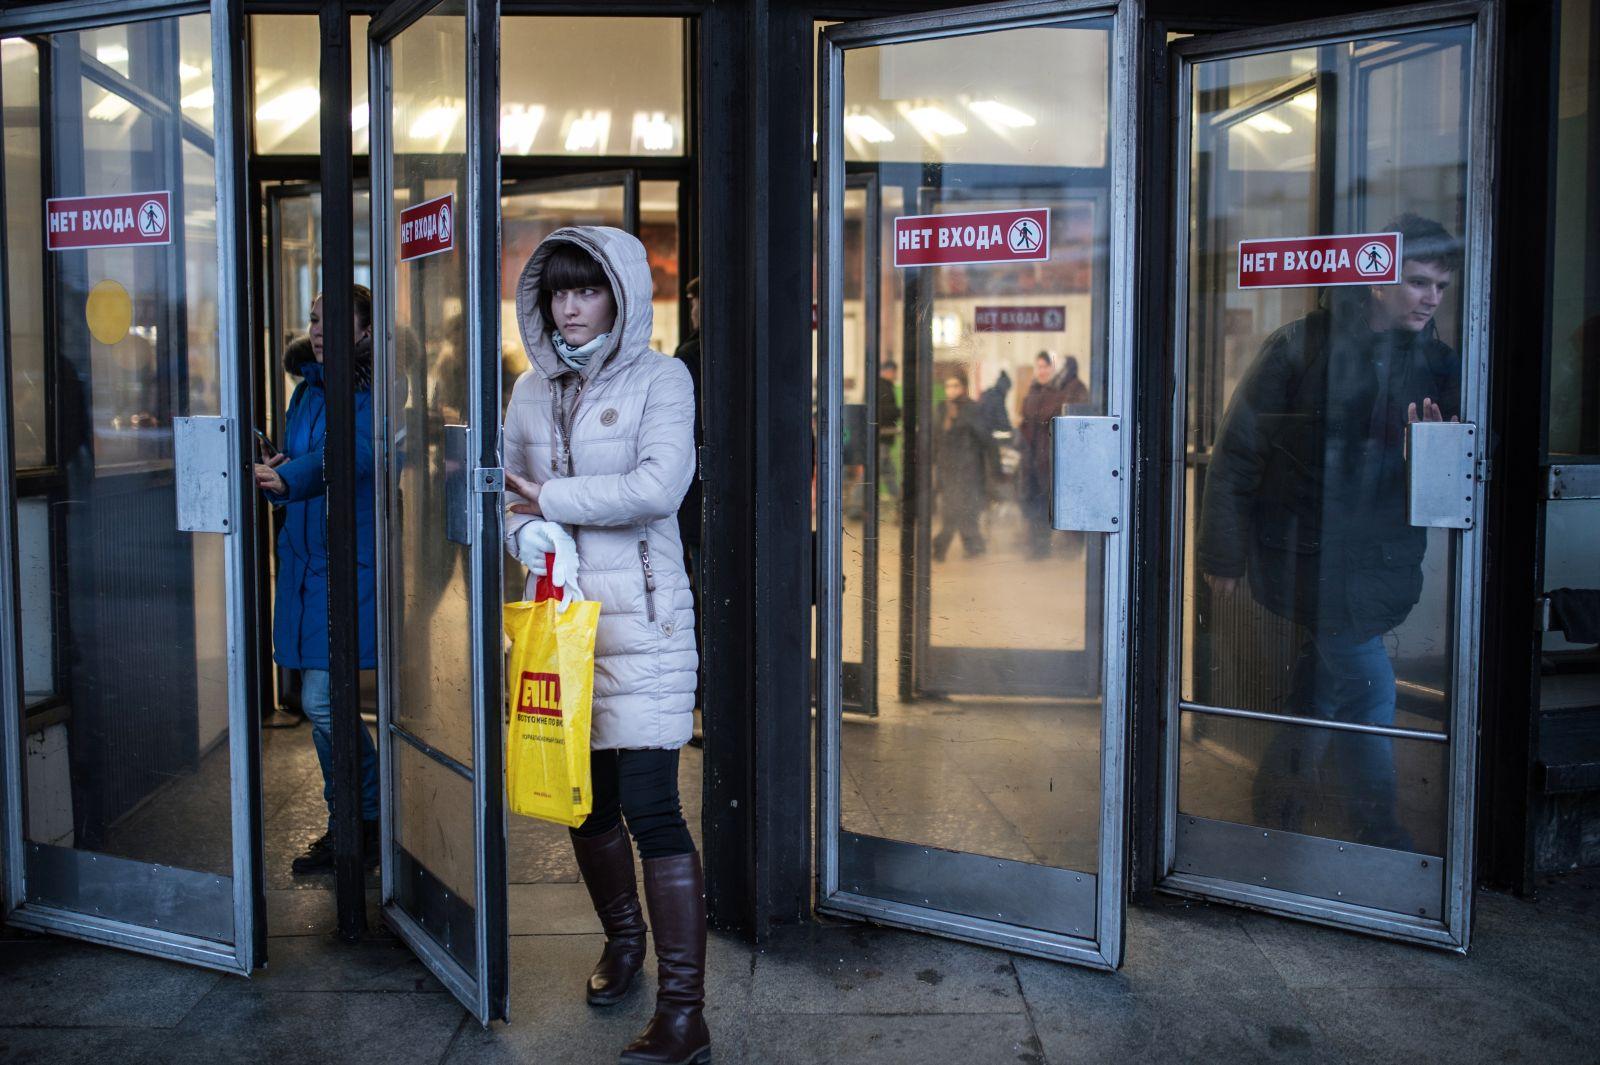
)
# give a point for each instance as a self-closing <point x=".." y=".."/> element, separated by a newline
<point x="539" y="538"/>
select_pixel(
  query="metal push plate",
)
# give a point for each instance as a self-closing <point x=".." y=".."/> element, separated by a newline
<point x="457" y="487"/>
<point x="1441" y="461"/>
<point x="1086" y="471"/>
<point x="203" y="456"/>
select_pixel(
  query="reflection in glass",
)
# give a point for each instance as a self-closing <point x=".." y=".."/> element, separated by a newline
<point x="1307" y="592"/>
<point x="987" y="685"/>
<point x="631" y="104"/>
<point x="284" y="61"/>
<point x="124" y="617"/>
<point x="1321" y="782"/>
<point x="429" y="615"/>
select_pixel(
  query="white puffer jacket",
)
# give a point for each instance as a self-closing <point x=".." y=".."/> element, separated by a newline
<point x="631" y="412"/>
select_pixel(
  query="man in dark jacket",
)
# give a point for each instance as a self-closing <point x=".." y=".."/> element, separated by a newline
<point x="1306" y="497"/>
<point x="962" y="454"/>
<point x="888" y="408"/>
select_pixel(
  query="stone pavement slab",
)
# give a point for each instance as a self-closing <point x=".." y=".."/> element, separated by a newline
<point x="856" y="969"/>
<point x="62" y="983"/>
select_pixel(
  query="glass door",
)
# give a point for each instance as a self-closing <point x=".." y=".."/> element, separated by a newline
<point x="1333" y="232"/>
<point x="130" y="767"/>
<point x="436" y="256"/>
<point x="990" y="809"/>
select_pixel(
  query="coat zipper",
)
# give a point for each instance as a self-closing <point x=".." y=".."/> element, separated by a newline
<point x="564" y="420"/>
<point x="649" y="576"/>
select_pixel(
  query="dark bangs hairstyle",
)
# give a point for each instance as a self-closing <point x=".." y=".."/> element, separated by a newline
<point x="568" y="267"/>
<point x="1425" y="241"/>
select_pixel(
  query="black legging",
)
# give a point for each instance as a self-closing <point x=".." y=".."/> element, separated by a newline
<point x="641" y="786"/>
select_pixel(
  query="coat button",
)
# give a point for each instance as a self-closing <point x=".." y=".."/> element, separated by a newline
<point x="609" y="418"/>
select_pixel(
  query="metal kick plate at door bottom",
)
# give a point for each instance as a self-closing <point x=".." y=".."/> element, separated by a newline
<point x="1400" y="882"/>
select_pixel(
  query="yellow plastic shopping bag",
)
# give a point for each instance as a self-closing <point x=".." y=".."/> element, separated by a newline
<point x="551" y="681"/>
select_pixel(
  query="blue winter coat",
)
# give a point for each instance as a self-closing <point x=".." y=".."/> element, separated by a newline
<point x="300" y="627"/>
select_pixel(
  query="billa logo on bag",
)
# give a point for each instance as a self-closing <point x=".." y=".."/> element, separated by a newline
<point x="539" y="695"/>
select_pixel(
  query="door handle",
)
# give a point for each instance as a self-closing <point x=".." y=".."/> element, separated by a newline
<point x="1086" y="473"/>
<point x="1441" y="474"/>
<point x="202" y="459"/>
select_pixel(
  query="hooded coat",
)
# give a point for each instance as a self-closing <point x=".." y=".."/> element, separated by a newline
<point x="612" y="447"/>
<point x="1306" y="490"/>
<point x="300" y="618"/>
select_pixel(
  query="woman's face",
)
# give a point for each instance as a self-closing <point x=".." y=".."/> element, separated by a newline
<point x="582" y="314"/>
<point x="363" y="330"/>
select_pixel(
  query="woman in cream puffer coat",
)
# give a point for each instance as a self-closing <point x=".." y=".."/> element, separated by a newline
<point x="599" y="439"/>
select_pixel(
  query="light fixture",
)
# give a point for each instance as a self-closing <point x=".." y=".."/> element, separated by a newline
<point x="360" y="116"/>
<point x="589" y="132"/>
<point x="436" y="123"/>
<point x="301" y="103"/>
<point x="112" y="55"/>
<point x="199" y="100"/>
<point x="652" y="132"/>
<point x="946" y="330"/>
<point x="188" y="71"/>
<point x="867" y="128"/>
<point x="934" y="121"/>
<point x="519" y="125"/>
<point x="110" y="107"/>
<point x="1267" y="123"/>
<point x="998" y="114"/>
<point x="1306" y="101"/>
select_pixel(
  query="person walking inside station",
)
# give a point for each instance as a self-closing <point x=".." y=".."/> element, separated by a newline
<point x="293" y="479"/>
<point x="1306" y="499"/>
<point x="963" y="456"/>
<point x="1042" y="402"/>
<point x="599" y="438"/>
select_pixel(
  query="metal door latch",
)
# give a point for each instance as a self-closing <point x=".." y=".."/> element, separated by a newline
<point x="1441" y="472"/>
<point x="202" y="458"/>
<point x="1086" y="473"/>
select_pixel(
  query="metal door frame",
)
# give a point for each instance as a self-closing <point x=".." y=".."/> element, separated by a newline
<point x="1104" y="948"/>
<point x="931" y="669"/>
<point x="1454" y="929"/>
<point x="599" y="179"/>
<point x="485" y="993"/>
<point x="247" y="948"/>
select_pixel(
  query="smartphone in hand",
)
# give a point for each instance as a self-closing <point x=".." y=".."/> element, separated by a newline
<point x="269" y="450"/>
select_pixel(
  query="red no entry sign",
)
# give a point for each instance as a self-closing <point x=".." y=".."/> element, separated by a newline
<point x="1020" y="236"/>
<point x="1301" y="262"/>
<point x="1019" y="319"/>
<point x="428" y="228"/>
<point x="126" y="220"/>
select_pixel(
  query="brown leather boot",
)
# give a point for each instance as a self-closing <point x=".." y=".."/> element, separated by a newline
<point x="677" y="1035"/>
<point x="606" y="863"/>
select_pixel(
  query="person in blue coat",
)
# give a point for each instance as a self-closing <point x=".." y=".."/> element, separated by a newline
<point x="293" y="479"/>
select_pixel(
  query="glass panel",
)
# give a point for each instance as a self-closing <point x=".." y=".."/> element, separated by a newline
<point x="658" y="229"/>
<point x="1375" y="790"/>
<point x="1575" y="279"/>
<point x="131" y="762"/>
<point x="1014" y="97"/>
<point x="631" y="104"/>
<point x="429" y="610"/>
<point x="1306" y="591"/>
<point x="988" y="683"/>
<point x="296" y="276"/>
<point x="25" y="235"/>
<point x="286" y="55"/>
